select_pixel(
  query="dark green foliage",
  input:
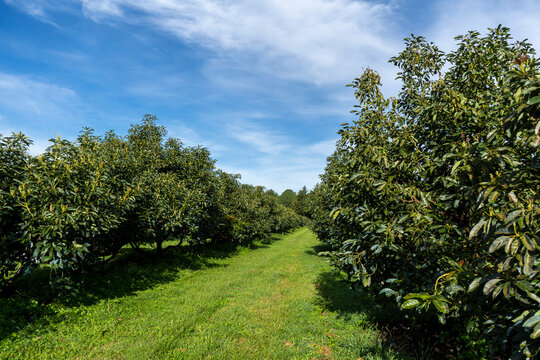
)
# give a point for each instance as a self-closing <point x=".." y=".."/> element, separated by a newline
<point x="287" y="197"/>
<point x="79" y="203"/>
<point x="69" y="203"/>
<point x="434" y="194"/>
<point x="321" y="203"/>
<point x="300" y="204"/>
<point x="256" y="214"/>
<point x="15" y="254"/>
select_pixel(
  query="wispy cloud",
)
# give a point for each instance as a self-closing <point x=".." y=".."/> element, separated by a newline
<point x="25" y="95"/>
<point x="290" y="169"/>
<point x="321" y="41"/>
<point x="274" y="158"/>
<point x="318" y="41"/>
<point x="43" y="9"/>
<point x="98" y="9"/>
<point x="278" y="180"/>
<point x="39" y="109"/>
<point x="35" y="8"/>
<point x="262" y="140"/>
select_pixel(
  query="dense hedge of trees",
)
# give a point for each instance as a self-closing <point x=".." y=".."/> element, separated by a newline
<point x="431" y="198"/>
<point x="80" y="202"/>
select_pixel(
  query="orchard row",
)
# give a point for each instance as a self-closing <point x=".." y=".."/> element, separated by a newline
<point x="81" y="202"/>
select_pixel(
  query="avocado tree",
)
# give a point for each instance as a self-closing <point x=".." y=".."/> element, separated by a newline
<point x="68" y="204"/>
<point x="435" y="193"/>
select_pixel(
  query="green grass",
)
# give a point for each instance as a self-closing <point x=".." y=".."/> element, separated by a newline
<point x="277" y="301"/>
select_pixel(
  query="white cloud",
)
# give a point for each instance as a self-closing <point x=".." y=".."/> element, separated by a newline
<point x="320" y="41"/>
<point x="262" y="140"/>
<point x="94" y="9"/>
<point x="42" y="9"/>
<point x="251" y="146"/>
<point x="317" y="41"/>
<point x="38" y="109"/>
<point x="36" y="8"/>
<point x="31" y="97"/>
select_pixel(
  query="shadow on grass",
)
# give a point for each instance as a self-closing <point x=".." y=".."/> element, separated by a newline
<point x="337" y="296"/>
<point x="315" y="250"/>
<point x="418" y="339"/>
<point x="33" y="303"/>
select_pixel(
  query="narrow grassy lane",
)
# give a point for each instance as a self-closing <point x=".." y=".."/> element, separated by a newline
<point x="275" y="302"/>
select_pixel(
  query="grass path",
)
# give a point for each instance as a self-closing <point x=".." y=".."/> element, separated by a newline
<point x="275" y="302"/>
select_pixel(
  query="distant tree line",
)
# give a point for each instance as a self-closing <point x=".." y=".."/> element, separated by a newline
<point x="299" y="202"/>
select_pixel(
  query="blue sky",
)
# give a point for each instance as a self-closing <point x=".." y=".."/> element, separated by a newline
<point x="260" y="83"/>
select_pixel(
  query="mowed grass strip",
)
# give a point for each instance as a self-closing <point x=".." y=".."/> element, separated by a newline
<point x="275" y="302"/>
